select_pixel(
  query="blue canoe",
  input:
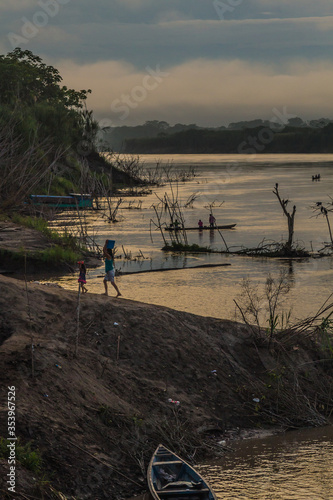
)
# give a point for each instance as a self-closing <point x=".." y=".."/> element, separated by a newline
<point x="171" y="478"/>
<point x="73" y="200"/>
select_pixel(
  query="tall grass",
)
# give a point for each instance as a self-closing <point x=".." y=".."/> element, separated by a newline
<point x="66" y="239"/>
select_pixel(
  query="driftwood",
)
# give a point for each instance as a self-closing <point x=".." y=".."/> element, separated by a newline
<point x="203" y="266"/>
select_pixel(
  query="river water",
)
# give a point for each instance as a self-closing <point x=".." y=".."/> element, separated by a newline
<point x="294" y="466"/>
<point x="297" y="465"/>
<point x="240" y="188"/>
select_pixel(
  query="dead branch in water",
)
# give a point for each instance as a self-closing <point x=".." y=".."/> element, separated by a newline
<point x="290" y="218"/>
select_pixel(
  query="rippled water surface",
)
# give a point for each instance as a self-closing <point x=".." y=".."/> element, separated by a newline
<point x="295" y="466"/>
<point x="241" y="189"/>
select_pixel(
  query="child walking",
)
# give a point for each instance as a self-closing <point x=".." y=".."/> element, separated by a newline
<point x="109" y="270"/>
<point x="82" y="276"/>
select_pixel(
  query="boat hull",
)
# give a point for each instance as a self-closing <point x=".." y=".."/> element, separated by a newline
<point x="171" y="478"/>
<point x="205" y="228"/>
<point x="71" y="201"/>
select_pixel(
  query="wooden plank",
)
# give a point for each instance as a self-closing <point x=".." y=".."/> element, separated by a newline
<point x="170" y="462"/>
<point x="181" y="492"/>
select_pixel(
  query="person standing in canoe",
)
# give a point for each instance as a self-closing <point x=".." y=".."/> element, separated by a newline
<point x="212" y="220"/>
<point x="109" y="270"/>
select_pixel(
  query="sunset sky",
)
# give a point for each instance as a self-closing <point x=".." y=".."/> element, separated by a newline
<point x="209" y="62"/>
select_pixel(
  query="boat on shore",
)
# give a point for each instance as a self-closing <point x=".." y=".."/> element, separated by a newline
<point x="171" y="478"/>
<point x="72" y="200"/>
<point x="207" y="228"/>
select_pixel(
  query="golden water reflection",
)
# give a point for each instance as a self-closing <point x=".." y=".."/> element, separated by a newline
<point x="246" y="191"/>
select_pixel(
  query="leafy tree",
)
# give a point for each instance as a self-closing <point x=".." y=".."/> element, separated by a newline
<point x="45" y="122"/>
<point x="24" y="78"/>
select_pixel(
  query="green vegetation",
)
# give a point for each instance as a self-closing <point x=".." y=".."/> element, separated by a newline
<point x="42" y="128"/>
<point x="53" y="255"/>
<point x="48" y="139"/>
<point x="41" y="225"/>
<point x="181" y="247"/>
<point x="33" y="222"/>
<point x="30" y="459"/>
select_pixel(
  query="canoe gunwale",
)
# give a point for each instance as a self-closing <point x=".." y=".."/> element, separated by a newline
<point x="205" y="228"/>
<point x="206" y="492"/>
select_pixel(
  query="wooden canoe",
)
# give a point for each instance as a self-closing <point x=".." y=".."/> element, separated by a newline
<point x="226" y="226"/>
<point x="171" y="478"/>
<point x="73" y="200"/>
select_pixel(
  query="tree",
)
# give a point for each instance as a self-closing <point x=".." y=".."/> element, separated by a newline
<point x="24" y="78"/>
<point x="290" y="217"/>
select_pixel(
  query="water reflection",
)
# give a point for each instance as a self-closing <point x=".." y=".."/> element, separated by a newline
<point x="294" y="466"/>
<point x="249" y="202"/>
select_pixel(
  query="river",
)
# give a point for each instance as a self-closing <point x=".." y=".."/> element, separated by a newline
<point x="240" y="188"/>
<point x="297" y="465"/>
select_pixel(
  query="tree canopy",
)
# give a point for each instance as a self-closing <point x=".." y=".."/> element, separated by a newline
<point x="24" y="78"/>
<point x="42" y="122"/>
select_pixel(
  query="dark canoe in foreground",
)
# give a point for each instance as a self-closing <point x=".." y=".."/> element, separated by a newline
<point x="226" y="226"/>
<point x="171" y="478"/>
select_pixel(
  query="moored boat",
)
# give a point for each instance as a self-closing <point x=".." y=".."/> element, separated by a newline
<point x="171" y="478"/>
<point x="177" y="228"/>
<point x="73" y="200"/>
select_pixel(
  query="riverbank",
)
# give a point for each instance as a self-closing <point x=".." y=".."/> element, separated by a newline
<point x="28" y="250"/>
<point x="96" y="417"/>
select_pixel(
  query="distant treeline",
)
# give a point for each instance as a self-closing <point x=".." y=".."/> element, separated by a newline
<point x="262" y="139"/>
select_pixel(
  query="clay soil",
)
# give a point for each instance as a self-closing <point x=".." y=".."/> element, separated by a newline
<point x="93" y="389"/>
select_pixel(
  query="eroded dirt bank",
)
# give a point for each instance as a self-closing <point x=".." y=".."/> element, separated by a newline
<point x="97" y="417"/>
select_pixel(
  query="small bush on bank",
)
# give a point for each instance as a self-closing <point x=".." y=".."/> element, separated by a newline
<point x="30" y="459"/>
<point x="180" y="247"/>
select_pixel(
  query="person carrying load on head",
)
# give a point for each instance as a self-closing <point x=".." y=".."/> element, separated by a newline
<point x="109" y="269"/>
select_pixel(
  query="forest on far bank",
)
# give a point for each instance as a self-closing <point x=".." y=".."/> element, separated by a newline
<point x="262" y="139"/>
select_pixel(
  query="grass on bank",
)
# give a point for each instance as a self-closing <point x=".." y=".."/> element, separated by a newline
<point x="65" y="248"/>
<point x="52" y="255"/>
<point x="30" y="459"/>
<point x="181" y="247"/>
<point x="41" y="225"/>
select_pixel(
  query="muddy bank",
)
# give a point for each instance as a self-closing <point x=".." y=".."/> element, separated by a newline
<point x="97" y="417"/>
<point x="21" y="248"/>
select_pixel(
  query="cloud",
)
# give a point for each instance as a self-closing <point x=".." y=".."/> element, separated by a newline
<point x="262" y="54"/>
<point x="206" y="92"/>
<point x="16" y="5"/>
<point x="170" y="43"/>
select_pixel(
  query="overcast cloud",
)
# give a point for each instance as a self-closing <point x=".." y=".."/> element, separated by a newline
<point x="208" y="62"/>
